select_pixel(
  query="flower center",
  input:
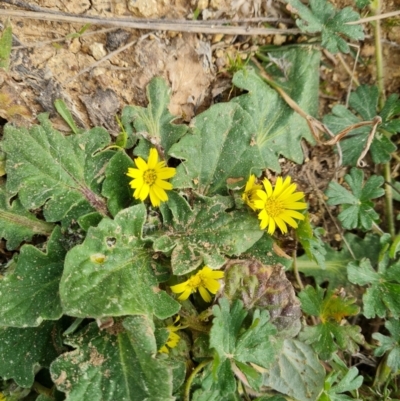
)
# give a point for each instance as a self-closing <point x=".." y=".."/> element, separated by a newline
<point x="194" y="282"/>
<point x="274" y="207"/>
<point x="149" y="177"/>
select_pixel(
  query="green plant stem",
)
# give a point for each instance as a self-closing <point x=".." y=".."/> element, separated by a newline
<point x="380" y="80"/>
<point x="40" y="389"/>
<point x="189" y="381"/>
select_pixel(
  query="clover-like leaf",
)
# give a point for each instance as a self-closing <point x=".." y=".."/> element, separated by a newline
<point x="30" y="293"/>
<point x="335" y="387"/>
<point x="364" y="101"/>
<point x="335" y="272"/>
<point x="357" y="208"/>
<point x="16" y="223"/>
<point x="22" y="351"/>
<point x="329" y="335"/>
<point x="119" y="363"/>
<point x="389" y="345"/>
<point x="206" y="233"/>
<point x="332" y="23"/>
<point x="155" y="121"/>
<point x="116" y="184"/>
<point x="61" y="173"/>
<point x="113" y="273"/>
<point x="236" y="346"/>
<point x="278" y="129"/>
<point x="296" y="372"/>
<point x="383" y="294"/>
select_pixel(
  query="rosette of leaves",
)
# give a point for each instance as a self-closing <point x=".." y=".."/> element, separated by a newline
<point x="264" y="287"/>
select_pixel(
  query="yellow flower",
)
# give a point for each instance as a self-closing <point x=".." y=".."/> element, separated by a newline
<point x="2" y="397"/>
<point x="173" y="338"/>
<point x="205" y="280"/>
<point x="250" y="191"/>
<point x="278" y="205"/>
<point x="149" y="179"/>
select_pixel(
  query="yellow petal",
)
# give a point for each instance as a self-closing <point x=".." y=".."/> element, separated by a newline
<point x="153" y="158"/>
<point x="154" y="199"/>
<point x="268" y="187"/>
<point x="166" y="172"/>
<point x="296" y="205"/>
<point x="141" y="164"/>
<point x="294" y="214"/>
<point x="271" y="226"/>
<point x="163" y="184"/>
<point x="136" y="183"/>
<point x="185" y="295"/>
<point x="134" y="173"/>
<point x="178" y="288"/>
<point x="212" y="285"/>
<point x="205" y="294"/>
<point x="144" y="192"/>
<point x="281" y="224"/>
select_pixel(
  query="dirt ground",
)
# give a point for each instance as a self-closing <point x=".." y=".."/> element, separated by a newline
<point x="56" y="60"/>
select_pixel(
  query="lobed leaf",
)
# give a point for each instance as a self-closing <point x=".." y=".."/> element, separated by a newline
<point x="17" y="224"/>
<point x="389" y="345"/>
<point x="30" y="293"/>
<point x="62" y="174"/>
<point x="24" y="350"/>
<point x="113" y="272"/>
<point x="114" y="364"/>
<point x="206" y="233"/>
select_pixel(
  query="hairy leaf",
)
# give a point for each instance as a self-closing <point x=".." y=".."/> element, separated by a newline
<point x="357" y="207"/>
<point x="332" y="23"/>
<point x="113" y="273"/>
<point x="206" y="233"/>
<point x="297" y="372"/>
<point x="23" y="350"/>
<point x="30" y="293"/>
<point x="390" y="345"/>
<point x="114" y="364"/>
<point x="16" y="223"/>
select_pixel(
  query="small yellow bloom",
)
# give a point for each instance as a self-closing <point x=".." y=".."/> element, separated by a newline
<point x="149" y="179"/>
<point x="2" y="397"/>
<point x="250" y="192"/>
<point x="173" y="338"/>
<point x="278" y="205"/>
<point x="205" y="280"/>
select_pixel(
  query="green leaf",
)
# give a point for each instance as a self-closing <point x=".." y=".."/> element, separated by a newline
<point x="278" y="129"/>
<point x="115" y="364"/>
<point x="383" y="295"/>
<point x="30" y="293"/>
<point x="63" y="111"/>
<point x="206" y="233"/>
<point x="364" y="101"/>
<point x="63" y="174"/>
<point x="155" y="120"/>
<point x="362" y="3"/>
<point x="23" y="351"/>
<point x="311" y="241"/>
<point x="5" y="46"/>
<point x="331" y="334"/>
<point x="324" y="18"/>
<point x="113" y="273"/>
<point x="334" y="388"/>
<point x="116" y="185"/>
<point x="390" y="345"/>
<point x="357" y="208"/>
<point x="336" y="261"/>
<point x="237" y="345"/>
<point x="16" y="223"/>
<point x="297" y="372"/>
<point x="218" y="147"/>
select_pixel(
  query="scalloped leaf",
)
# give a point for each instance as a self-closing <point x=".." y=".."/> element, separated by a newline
<point x="61" y="173"/>
<point x="113" y="273"/>
<point x="115" y="364"/>
<point x="30" y="293"/>
<point x="206" y="233"/>
<point x="22" y="351"/>
<point x="155" y="119"/>
<point x="17" y="224"/>
<point x="279" y="129"/>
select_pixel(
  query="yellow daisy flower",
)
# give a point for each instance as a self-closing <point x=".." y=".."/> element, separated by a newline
<point x="173" y="338"/>
<point x="278" y="205"/>
<point x="149" y="179"/>
<point x="205" y="280"/>
<point x="250" y="191"/>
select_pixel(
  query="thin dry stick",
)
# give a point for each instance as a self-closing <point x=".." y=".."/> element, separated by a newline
<point x="149" y="24"/>
<point x="374" y="18"/>
<point x="105" y="58"/>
